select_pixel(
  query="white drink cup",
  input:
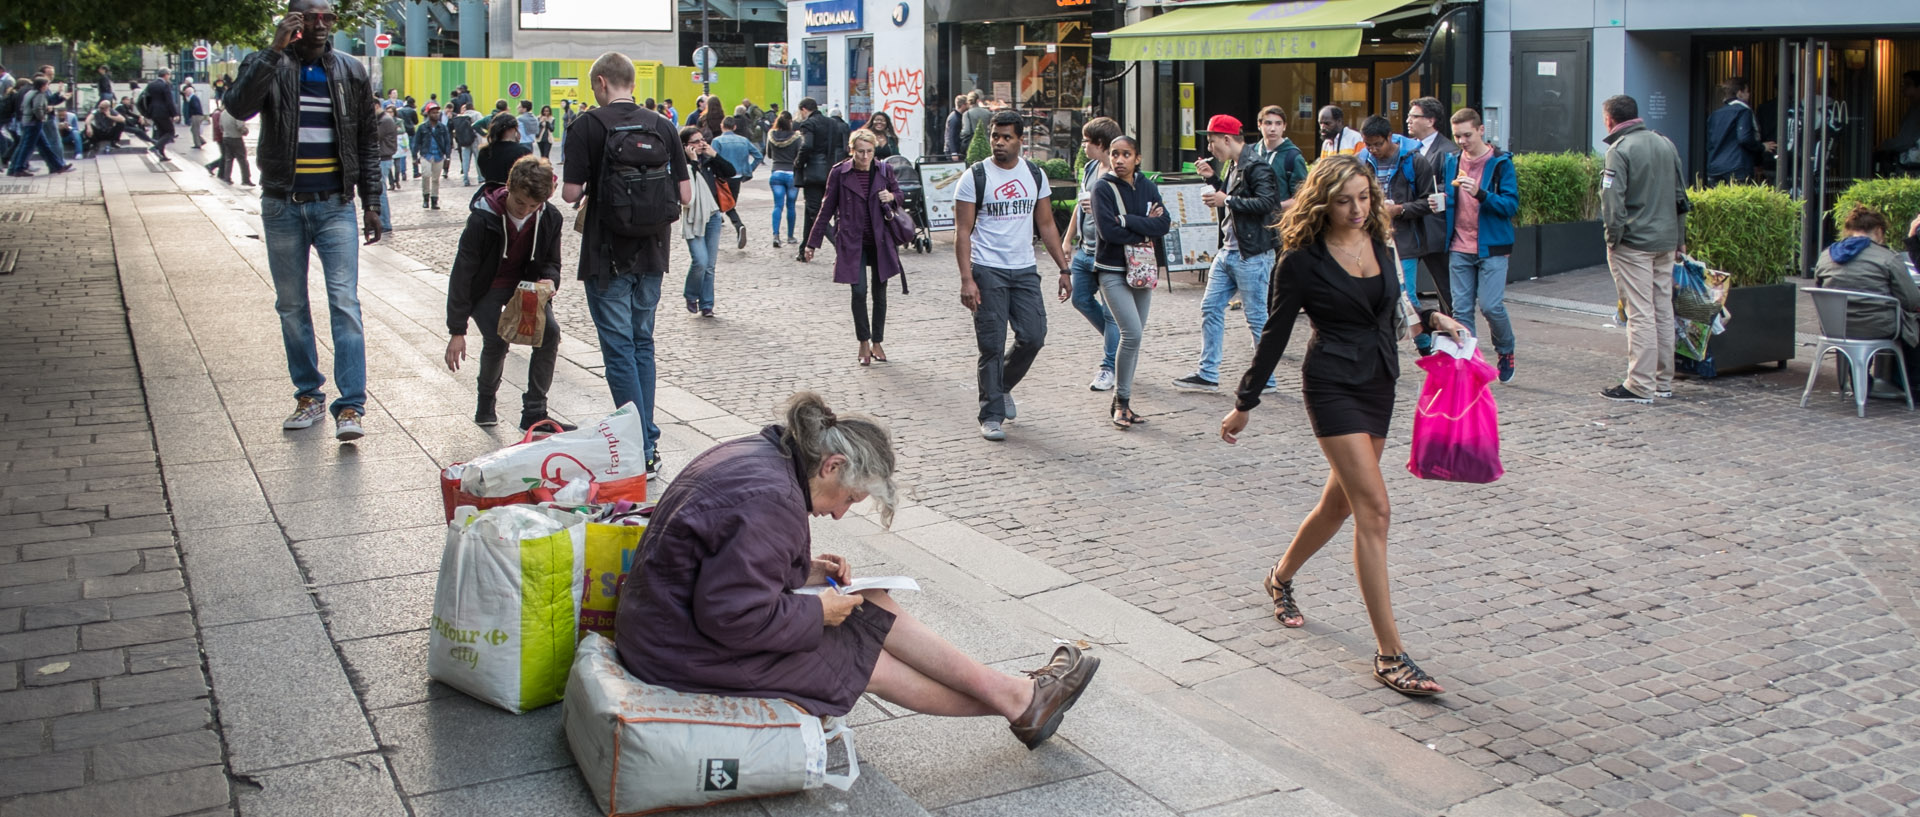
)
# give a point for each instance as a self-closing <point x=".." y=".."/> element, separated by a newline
<point x="1437" y="201"/>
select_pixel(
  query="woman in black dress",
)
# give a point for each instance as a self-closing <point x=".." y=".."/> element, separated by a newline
<point x="1334" y="244"/>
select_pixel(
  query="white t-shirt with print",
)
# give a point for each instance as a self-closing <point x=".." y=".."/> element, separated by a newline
<point x="1003" y="230"/>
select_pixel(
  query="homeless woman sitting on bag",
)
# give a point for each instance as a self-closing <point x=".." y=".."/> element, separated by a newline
<point x="512" y="235"/>
<point x="711" y="609"/>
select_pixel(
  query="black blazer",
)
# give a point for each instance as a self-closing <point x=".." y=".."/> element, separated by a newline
<point x="1353" y="339"/>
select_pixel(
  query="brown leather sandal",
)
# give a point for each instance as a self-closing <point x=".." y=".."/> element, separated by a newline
<point x="1401" y="675"/>
<point x="1285" y="609"/>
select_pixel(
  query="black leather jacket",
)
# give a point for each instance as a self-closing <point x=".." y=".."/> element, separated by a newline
<point x="1254" y="200"/>
<point x="269" y="84"/>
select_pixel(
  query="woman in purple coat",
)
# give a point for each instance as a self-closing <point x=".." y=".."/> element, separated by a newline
<point x="859" y="191"/>
<point x="710" y="607"/>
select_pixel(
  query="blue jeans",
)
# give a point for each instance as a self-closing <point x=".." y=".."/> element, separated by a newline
<point x="1008" y="298"/>
<point x="784" y="196"/>
<point x="1482" y="281"/>
<point x="1086" y="289"/>
<point x="35" y="137"/>
<point x="1410" y="279"/>
<point x="329" y="227"/>
<point x="706" y="252"/>
<point x="1232" y="273"/>
<point x="386" y="212"/>
<point x="623" y="309"/>
<point x="400" y="165"/>
<point x="466" y="162"/>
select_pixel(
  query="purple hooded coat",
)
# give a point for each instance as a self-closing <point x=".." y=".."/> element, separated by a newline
<point x="709" y="607"/>
<point x="854" y="216"/>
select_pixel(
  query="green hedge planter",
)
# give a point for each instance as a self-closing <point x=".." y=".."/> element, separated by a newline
<point x="1753" y="233"/>
<point x="1897" y="199"/>
<point x="1559" y="205"/>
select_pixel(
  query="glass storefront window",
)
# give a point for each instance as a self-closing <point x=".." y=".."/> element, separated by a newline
<point x="1040" y="68"/>
<point x="816" y="69"/>
<point x="859" y="80"/>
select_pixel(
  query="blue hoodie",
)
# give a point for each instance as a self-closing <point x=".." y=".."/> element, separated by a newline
<point x="1499" y="201"/>
<point x="1847" y="249"/>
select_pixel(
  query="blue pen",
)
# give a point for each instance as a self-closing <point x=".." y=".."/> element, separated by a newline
<point x="835" y="585"/>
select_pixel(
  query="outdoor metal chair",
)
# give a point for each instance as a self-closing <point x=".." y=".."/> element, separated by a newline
<point x="1855" y="355"/>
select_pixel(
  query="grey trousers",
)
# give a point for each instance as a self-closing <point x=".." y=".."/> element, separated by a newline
<point x="1129" y="307"/>
<point x="1007" y="297"/>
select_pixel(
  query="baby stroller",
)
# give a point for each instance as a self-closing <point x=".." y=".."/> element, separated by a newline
<point x="914" y="200"/>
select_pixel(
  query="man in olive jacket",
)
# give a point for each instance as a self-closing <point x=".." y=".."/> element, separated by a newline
<point x="1642" y="193"/>
<point x="317" y="151"/>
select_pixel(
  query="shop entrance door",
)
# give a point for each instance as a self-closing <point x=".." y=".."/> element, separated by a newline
<point x="1552" y="99"/>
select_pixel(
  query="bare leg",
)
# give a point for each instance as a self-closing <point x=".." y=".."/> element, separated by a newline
<point x="1317" y="529"/>
<point x="1356" y="464"/>
<point x="923" y="672"/>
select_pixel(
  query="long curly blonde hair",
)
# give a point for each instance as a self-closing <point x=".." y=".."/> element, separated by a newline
<point x="1307" y="218"/>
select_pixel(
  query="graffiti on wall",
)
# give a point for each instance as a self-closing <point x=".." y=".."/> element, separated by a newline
<point x="900" y="97"/>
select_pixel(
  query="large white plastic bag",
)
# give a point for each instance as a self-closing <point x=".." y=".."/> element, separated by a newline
<point x="646" y="748"/>
<point x="507" y="606"/>
<point x="609" y="451"/>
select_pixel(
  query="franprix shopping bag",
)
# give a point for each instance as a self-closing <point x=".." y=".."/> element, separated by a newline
<point x="611" y="454"/>
<point x="645" y="748"/>
<point x="1456" y="428"/>
<point x="506" y="610"/>
<point x="611" y="550"/>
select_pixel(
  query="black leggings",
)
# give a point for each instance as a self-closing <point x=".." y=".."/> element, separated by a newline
<point x="877" y="331"/>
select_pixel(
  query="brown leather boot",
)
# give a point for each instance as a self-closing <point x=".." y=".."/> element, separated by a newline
<point x="1056" y="687"/>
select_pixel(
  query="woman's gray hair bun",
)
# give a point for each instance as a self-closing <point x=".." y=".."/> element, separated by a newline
<point x="816" y="433"/>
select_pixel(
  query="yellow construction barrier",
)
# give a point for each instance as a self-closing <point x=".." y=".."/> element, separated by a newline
<point x="548" y="82"/>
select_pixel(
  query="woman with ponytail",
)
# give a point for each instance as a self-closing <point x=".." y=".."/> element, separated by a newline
<point x="711" y="607"/>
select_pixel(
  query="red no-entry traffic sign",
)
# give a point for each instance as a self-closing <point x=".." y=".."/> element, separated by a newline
<point x="382" y="40"/>
<point x="201" y="52"/>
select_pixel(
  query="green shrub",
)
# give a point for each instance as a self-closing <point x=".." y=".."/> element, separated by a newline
<point x="1750" y="231"/>
<point x="981" y="147"/>
<point x="1057" y="169"/>
<point x="1897" y="199"/>
<point x="1557" y="188"/>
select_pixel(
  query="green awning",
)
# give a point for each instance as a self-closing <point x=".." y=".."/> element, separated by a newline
<point x="1292" y="30"/>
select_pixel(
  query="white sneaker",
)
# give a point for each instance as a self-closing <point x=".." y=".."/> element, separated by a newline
<point x="991" y="430"/>
<point x="310" y="410"/>
<point x="346" y="427"/>
<point x="1102" y="381"/>
<point x="1011" y="411"/>
<point x="1664" y="394"/>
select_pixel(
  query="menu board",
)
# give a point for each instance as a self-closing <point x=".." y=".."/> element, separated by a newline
<point x="938" y="181"/>
<point x="1195" y="237"/>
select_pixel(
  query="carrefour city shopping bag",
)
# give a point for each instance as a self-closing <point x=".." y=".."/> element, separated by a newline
<point x="1456" y="425"/>
<point x="646" y="748"/>
<point x="507" y="607"/>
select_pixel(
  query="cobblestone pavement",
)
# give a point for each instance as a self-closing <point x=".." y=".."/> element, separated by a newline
<point x="103" y="693"/>
<point x="1704" y="606"/>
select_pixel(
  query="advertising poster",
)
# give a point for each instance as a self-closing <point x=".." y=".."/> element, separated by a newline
<point x="1195" y="237"/>
<point x="938" y="181"/>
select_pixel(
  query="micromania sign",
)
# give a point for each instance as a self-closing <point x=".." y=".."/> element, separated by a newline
<point x="834" y="15"/>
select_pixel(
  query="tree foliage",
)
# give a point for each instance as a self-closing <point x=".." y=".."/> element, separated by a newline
<point x="120" y="62"/>
<point x="165" y="23"/>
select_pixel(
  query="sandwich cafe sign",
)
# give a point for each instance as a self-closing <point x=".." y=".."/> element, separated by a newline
<point x="834" y="15"/>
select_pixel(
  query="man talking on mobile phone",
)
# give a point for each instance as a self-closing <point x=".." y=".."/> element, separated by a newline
<point x="318" y="149"/>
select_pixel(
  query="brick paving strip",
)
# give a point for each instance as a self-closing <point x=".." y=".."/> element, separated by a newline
<point x="310" y="568"/>
<point x="103" y="695"/>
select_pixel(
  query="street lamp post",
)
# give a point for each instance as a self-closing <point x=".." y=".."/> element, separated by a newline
<point x="706" y="71"/>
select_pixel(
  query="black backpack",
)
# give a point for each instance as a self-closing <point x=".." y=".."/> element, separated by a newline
<point x="636" y="195"/>
<point x="462" y="130"/>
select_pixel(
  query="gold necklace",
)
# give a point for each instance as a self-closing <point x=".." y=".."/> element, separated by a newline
<point x="1359" y="260"/>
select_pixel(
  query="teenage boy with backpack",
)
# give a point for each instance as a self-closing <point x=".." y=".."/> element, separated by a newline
<point x="1095" y="136"/>
<point x="512" y="235"/>
<point x="627" y="162"/>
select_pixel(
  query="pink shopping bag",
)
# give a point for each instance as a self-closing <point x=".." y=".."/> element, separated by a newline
<point x="1456" y="427"/>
